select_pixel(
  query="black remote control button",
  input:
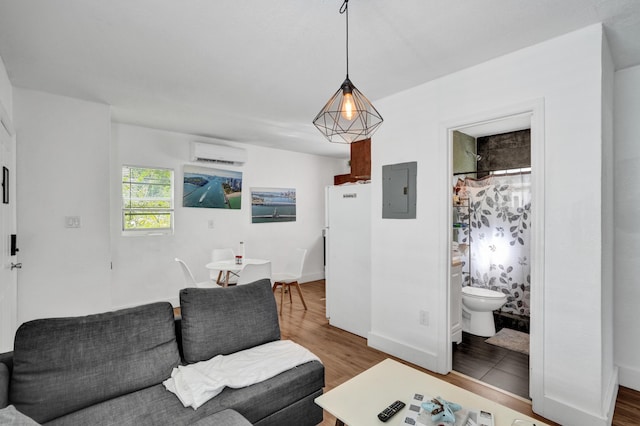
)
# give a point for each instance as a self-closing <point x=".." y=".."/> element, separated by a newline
<point x="390" y="411"/>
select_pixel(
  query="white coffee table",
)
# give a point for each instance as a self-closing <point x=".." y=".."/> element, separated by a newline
<point x="358" y="401"/>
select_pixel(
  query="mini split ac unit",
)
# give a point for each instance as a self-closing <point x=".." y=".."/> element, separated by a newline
<point x="219" y="154"/>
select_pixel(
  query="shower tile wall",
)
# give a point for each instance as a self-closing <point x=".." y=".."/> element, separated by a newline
<point x="504" y="151"/>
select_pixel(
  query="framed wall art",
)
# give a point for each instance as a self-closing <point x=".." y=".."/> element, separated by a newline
<point x="212" y="188"/>
<point x="273" y="205"/>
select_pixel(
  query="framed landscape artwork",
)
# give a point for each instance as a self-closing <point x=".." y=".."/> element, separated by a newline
<point x="211" y="188"/>
<point x="273" y="205"/>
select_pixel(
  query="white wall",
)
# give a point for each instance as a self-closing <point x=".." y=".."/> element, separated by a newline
<point x="64" y="270"/>
<point x="144" y="268"/>
<point x="609" y="370"/>
<point x="574" y="377"/>
<point x="63" y="170"/>
<point x="6" y="91"/>
<point x="70" y="165"/>
<point x="627" y="231"/>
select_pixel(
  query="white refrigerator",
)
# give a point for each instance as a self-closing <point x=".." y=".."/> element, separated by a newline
<point x="348" y="257"/>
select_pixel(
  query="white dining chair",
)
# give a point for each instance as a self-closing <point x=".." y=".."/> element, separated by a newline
<point x="218" y="255"/>
<point x="254" y="272"/>
<point x="290" y="276"/>
<point x="189" y="280"/>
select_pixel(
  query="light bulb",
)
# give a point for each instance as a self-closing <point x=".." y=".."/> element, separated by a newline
<point x="348" y="107"/>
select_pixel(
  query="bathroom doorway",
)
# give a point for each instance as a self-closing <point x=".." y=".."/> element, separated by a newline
<point x="490" y="244"/>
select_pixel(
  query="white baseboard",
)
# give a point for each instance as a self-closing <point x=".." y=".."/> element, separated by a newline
<point x="412" y="354"/>
<point x="567" y="414"/>
<point x="611" y="394"/>
<point x="629" y="377"/>
<point x="315" y="276"/>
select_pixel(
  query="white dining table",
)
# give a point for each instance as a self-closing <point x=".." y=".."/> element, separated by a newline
<point x="230" y="266"/>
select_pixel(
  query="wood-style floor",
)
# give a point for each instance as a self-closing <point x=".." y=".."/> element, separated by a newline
<point x="345" y="355"/>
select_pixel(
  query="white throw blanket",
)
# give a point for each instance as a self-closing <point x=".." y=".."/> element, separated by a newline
<point x="197" y="383"/>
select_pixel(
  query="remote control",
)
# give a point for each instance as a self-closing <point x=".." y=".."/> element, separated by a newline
<point x="390" y="411"/>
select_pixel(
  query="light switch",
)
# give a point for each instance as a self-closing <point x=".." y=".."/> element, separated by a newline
<point x="72" y="221"/>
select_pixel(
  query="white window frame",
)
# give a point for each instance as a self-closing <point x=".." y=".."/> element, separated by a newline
<point x="125" y="210"/>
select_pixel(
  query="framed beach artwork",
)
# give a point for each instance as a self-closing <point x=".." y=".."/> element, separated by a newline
<point x="273" y="205"/>
<point x="211" y="188"/>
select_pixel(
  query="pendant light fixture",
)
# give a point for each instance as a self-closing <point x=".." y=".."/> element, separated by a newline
<point x="348" y="116"/>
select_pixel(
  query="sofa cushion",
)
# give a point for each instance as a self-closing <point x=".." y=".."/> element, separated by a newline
<point x="304" y="412"/>
<point x="220" y="321"/>
<point x="61" y="365"/>
<point x="223" y="418"/>
<point x="157" y="406"/>
<point x="261" y="400"/>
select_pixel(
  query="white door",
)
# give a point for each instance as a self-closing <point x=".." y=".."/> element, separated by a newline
<point x="8" y="273"/>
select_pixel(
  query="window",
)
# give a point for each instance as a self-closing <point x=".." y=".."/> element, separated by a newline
<point x="147" y="200"/>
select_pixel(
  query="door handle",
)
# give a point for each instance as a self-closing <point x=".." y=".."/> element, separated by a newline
<point x="16" y="266"/>
<point x="14" y="247"/>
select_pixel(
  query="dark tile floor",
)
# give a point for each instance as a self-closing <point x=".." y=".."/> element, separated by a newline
<point x="491" y="364"/>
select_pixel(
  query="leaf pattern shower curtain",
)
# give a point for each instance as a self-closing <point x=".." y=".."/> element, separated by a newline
<point x="499" y="216"/>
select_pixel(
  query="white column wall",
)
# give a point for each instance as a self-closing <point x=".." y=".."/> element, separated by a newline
<point x="609" y="370"/>
<point x="627" y="231"/>
<point x="63" y="170"/>
<point x="144" y="267"/>
<point x="572" y="315"/>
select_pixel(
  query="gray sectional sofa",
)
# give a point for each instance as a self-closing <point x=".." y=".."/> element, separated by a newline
<point x="108" y="369"/>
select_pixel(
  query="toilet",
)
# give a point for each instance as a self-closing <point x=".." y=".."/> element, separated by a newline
<point x="478" y="305"/>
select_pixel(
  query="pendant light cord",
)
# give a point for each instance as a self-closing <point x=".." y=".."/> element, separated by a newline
<point x="345" y="9"/>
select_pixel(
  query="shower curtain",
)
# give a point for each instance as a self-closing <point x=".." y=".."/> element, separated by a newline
<point x="498" y="236"/>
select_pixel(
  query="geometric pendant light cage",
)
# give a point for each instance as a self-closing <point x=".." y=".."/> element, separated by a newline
<point x="345" y="121"/>
<point x="348" y="116"/>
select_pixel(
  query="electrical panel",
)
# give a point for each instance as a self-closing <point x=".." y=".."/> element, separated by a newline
<point x="399" y="190"/>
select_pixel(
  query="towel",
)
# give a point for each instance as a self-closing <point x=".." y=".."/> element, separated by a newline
<point x="197" y="383"/>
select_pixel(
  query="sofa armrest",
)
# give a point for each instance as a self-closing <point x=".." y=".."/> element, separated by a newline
<point x="7" y="359"/>
<point x="6" y="365"/>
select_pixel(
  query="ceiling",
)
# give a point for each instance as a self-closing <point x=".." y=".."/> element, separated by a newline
<point x="258" y="72"/>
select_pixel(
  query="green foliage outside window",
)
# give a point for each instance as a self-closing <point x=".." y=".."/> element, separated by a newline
<point x="147" y="199"/>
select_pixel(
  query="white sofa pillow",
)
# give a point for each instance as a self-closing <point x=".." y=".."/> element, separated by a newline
<point x="12" y="417"/>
